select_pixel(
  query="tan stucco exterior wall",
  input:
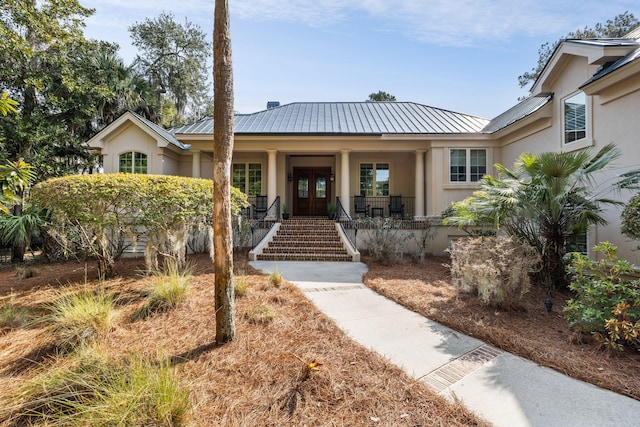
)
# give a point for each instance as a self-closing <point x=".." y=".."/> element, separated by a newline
<point x="131" y="138"/>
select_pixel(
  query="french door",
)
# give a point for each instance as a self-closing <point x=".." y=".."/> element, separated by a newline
<point x="311" y="191"/>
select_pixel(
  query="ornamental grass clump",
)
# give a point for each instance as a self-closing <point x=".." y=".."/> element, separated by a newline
<point x="260" y="314"/>
<point x="496" y="268"/>
<point x="240" y="286"/>
<point x="77" y="318"/>
<point x="12" y="316"/>
<point x="275" y="279"/>
<point x="171" y="286"/>
<point x="89" y="389"/>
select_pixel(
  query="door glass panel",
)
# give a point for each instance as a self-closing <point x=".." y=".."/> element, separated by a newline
<point x="321" y="187"/>
<point x="382" y="179"/>
<point x="303" y="187"/>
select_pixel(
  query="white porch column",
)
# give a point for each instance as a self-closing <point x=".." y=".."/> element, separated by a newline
<point x="419" y="189"/>
<point x="195" y="166"/>
<point x="271" y="177"/>
<point x="344" y="181"/>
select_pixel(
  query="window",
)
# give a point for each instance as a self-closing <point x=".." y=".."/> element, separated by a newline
<point x="247" y="177"/>
<point x="374" y="179"/>
<point x="467" y="165"/>
<point x="575" y="118"/>
<point x="133" y="162"/>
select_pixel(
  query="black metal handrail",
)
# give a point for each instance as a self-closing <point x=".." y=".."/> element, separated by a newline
<point x="261" y="226"/>
<point x="348" y="225"/>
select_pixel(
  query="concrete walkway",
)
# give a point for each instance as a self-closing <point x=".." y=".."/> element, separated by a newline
<point x="504" y="389"/>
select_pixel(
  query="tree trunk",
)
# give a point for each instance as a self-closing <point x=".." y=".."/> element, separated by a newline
<point x="222" y="152"/>
<point x="555" y="263"/>
<point x="17" y="251"/>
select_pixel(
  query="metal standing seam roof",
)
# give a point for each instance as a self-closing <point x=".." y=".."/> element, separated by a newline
<point x="347" y="118"/>
<point x="518" y="112"/>
<point x="613" y="67"/>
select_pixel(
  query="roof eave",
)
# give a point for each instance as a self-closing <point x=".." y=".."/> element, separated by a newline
<point x="595" y="54"/>
<point x="598" y="84"/>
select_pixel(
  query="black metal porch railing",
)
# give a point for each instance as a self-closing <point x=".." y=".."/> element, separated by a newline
<point x="261" y="225"/>
<point x="382" y="207"/>
<point x="348" y="225"/>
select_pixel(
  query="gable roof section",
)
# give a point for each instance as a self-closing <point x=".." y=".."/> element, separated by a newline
<point x="632" y="37"/>
<point x="164" y="134"/>
<point x="518" y="112"/>
<point x="597" y="51"/>
<point x="346" y="118"/>
<point x="143" y="123"/>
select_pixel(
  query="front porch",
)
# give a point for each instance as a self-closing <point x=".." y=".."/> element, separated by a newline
<point x="400" y="207"/>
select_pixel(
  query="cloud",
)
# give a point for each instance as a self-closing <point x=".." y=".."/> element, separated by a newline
<point x="441" y="22"/>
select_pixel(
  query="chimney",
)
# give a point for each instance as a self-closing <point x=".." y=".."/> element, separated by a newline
<point x="272" y="104"/>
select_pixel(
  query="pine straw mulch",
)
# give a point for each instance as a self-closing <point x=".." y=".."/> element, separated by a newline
<point x="263" y="378"/>
<point x="530" y="332"/>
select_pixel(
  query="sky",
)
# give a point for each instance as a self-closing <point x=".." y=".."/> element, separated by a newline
<point x="463" y="55"/>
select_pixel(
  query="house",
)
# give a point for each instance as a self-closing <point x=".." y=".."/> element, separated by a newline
<point x="308" y="154"/>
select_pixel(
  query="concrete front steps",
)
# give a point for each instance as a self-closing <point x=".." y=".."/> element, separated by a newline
<point x="305" y="239"/>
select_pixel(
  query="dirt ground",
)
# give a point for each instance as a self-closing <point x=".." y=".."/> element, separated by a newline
<point x="530" y="332"/>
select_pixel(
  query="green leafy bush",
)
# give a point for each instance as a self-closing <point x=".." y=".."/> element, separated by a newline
<point x="631" y="218"/>
<point x="496" y="268"/>
<point x="103" y="215"/>
<point x="601" y="287"/>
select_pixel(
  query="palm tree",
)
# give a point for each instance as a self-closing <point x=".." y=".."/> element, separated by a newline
<point x="16" y="224"/>
<point x="122" y="88"/>
<point x="545" y="200"/>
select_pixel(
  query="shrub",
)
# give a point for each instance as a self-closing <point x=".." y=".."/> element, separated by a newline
<point x="603" y="296"/>
<point x="78" y="318"/>
<point x="103" y="215"/>
<point x="631" y="218"/>
<point x="496" y="268"/>
<point x="422" y="239"/>
<point x="621" y="329"/>
<point x="91" y="390"/>
<point x="385" y="238"/>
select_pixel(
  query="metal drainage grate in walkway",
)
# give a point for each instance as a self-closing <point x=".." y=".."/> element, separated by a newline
<point x="335" y="288"/>
<point x="459" y="368"/>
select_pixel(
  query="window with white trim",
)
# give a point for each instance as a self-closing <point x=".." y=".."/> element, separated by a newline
<point x="133" y="162"/>
<point x="374" y="179"/>
<point x="247" y="177"/>
<point x="467" y="165"/>
<point x="575" y="117"/>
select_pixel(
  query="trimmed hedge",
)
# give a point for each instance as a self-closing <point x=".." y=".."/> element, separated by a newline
<point x="102" y="215"/>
